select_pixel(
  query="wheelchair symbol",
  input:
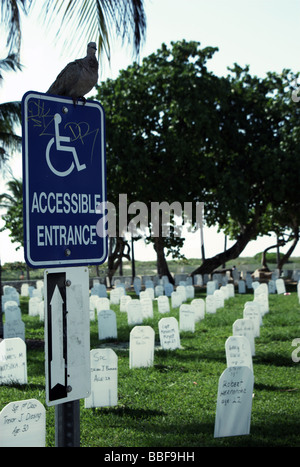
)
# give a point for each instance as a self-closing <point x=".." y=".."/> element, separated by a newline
<point x="58" y="140"/>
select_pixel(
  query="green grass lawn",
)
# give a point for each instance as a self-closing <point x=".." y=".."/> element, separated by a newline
<point x="173" y="403"/>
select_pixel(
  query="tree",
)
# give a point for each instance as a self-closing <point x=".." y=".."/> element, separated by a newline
<point x="285" y="213"/>
<point x="10" y="113"/>
<point x="12" y="201"/>
<point x="162" y="118"/>
<point x="250" y="180"/>
<point x="10" y="117"/>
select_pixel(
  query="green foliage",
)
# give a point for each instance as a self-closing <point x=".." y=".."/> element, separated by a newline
<point x="225" y="141"/>
<point x="173" y="403"/>
<point x="13" y="202"/>
<point x="270" y="257"/>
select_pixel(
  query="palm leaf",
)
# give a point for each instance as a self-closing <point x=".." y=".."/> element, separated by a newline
<point x="96" y="20"/>
<point x="10" y="17"/>
<point x="10" y="116"/>
<point x="10" y="63"/>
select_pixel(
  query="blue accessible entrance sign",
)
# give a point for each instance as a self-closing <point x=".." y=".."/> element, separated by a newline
<point x="64" y="181"/>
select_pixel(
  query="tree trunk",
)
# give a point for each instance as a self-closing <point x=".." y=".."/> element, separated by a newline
<point x="116" y="253"/>
<point x="1" y="292"/>
<point x="264" y="255"/>
<point x="249" y="233"/>
<point x="132" y="259"/>
<point x="162" y="265"/>
<point x="285" y="258"/>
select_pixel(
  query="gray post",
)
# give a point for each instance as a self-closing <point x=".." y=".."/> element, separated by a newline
<point x="67" y="424"/>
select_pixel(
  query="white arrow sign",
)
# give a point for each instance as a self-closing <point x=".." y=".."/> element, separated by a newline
<point x="67" y="334"/>
<point x="58" y="361"/>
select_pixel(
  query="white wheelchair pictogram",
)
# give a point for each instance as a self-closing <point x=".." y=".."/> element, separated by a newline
<point x="58" y="139"/>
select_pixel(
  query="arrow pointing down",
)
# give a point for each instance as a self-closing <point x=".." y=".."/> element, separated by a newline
<point x="58" y="362"/>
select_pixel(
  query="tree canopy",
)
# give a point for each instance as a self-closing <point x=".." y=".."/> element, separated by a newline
<point x="175" y="131"/>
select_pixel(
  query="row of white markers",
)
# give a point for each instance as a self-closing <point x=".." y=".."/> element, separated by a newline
<point x="23" y="423"/>
<point x="235" y="389"/>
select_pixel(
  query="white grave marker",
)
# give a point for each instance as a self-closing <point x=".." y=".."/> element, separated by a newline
<point x="141" y="347"/>
<point x="181" y="290"/>
<point x="198" y="280"/>
<point x="134" y="312"/>
<point x="163" y="304"/>
<point x="102" y="303"/>
<point x="230" y="288"/>
<point x="272" y="286"/>
<point x="210" y="287"/>
<point x="13" y="361"/>
<point x="249" y="281"/>
<point x="241" y="286"/>
<point x="12" y="311"/>
<point x="254" y="315"/>
<point x="225" y="291"/>
<point x="13" y="326"/>
<point x="169" y="333"/>
<point x="124" y="300"/>
<point x="115" y="295"/>
<point x="190" y="291"/>
<point x="176" y="299"/>
<point x="210" y="304"/>
<point x="186" y="318"/>
<point x="280" y="286"/>
<point x="147" y="307"/>
<point x="24" y="290"/>
<point x="199" y="307"/>
<point x="104" y="379"/>
<point x="33" y="306"/>
<point x="137" y="285"/>
<point x="168" y="289"/>
<point x="219" y="298"/>
<point x="23" y="424"/>
<point x="93" y="302"/>
<point x="159" y="290"/>
<point x="263" y="301"/>
<point x="234" y="402"/>
<point x="42" y="310"/>
<point x="255" y="284"/>
<point x="149" y="291"/>
<point x="245" y="327"/>
<point x="107" y="325"/>
<point x="255" y="306"/>
<point x="238" y="352"/>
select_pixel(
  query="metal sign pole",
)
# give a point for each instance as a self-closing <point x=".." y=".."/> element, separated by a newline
<point x="67" y="425"/>
<point x="64" y="183"/>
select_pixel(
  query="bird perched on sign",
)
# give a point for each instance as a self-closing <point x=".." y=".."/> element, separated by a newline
<point x="78" y="77"/>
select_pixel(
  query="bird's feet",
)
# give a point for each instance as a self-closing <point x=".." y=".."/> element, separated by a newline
<point x="75" y="100"/>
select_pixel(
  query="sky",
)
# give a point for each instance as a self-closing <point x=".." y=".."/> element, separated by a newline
<point x="263" y="34"/>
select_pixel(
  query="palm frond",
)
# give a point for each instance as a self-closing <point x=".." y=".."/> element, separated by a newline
<point x="98" y="20"/>
<point x="10" y="117"/>
<point x="10" y="12"/>
<point x="15" y="187"/>
<point x="10" y="63"/>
